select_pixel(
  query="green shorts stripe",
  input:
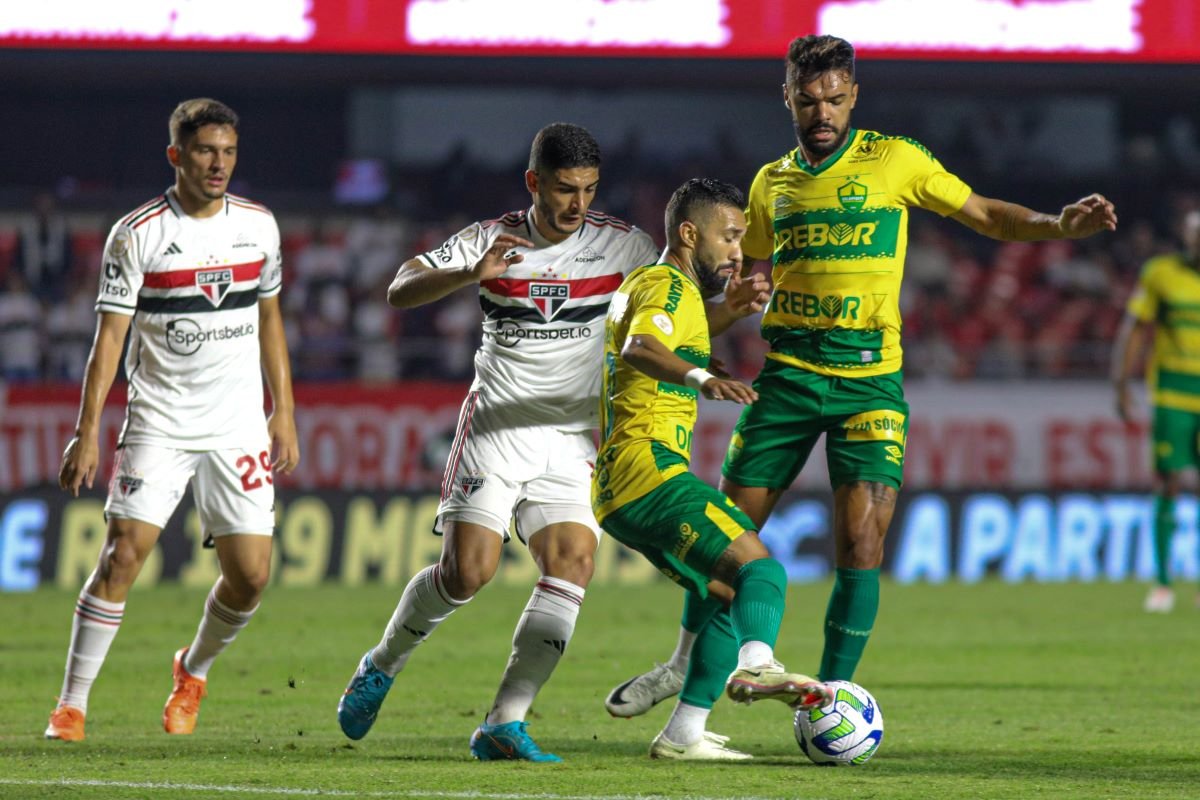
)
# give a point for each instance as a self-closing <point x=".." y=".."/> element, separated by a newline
<point x="865" y="422"/>
<point x="682" y="526"/>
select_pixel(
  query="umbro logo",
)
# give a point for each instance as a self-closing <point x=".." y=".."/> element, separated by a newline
<point x="558" y="644"/>
<point x="172" y="250"/>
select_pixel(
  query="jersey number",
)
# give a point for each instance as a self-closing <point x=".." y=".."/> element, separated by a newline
<point x="249" y="466"/>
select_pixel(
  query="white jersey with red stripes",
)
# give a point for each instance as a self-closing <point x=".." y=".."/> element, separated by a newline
<point x="543" y="326"/>
<point x="192" y="286"/>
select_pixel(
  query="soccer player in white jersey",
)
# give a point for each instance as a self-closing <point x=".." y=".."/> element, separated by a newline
<point x="193" y="277"/>
<point x="523" y="447"/>
<point x="523" y="450"/>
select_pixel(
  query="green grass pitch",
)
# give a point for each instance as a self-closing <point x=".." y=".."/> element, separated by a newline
<point x="988" y="691"/>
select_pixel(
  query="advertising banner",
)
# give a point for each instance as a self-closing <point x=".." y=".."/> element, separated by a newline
<point x="1003" y="436"/>
<point x="48" y="538"/>
<point x="1162" y="31"/>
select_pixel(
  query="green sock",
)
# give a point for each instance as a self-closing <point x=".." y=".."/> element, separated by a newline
<point x="697" y="611"/>
<point x="759" y="591"/>
<point x="848" y="622"/>
<point x="1164" y="528"/>
<point x="714" y="656"/>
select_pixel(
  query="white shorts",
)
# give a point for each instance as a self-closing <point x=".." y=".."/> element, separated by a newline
<point x="497" y="472"/>
<point x="233" y="489"/>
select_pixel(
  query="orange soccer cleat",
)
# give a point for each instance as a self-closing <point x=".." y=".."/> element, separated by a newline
<point x="183" y="706"/>
<point x="66" y="724"/>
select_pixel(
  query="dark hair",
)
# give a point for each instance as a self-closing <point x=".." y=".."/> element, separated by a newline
<point x="192" y="115"/>
<point x="562" y="145"/>
<point x="700" y="193"/>
<point x="810" y="56"/>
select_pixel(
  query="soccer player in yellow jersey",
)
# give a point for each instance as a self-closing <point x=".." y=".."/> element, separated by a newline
<point x="831" y="217"/>
<point x="1167" y="303"/>
<point x="656" y="350"/>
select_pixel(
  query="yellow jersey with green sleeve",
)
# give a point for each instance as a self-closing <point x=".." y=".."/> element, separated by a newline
<point x="836" y="235"/>
<point x="646" y="424"/>
<point x="1168" y="295"/>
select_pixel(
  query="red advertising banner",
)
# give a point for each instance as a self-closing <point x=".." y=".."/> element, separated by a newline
<point x="1162" y="31"/>
<point x="1036" y="436"/>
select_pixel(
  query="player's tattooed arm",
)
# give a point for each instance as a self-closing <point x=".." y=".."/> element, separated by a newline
<point x="1011" y="222"/>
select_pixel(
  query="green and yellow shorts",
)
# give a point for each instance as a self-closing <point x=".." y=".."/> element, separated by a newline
<point x="682" y="526"/>
<point x="1176" y="436"/>
<point x="865" y="422"/>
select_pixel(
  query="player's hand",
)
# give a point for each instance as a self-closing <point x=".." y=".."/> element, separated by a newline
<point x="1088" y="216"/>
<point x="725" y="389"/>
<point x="79" y="462"/>
<point x="746" y="295"/>
<point x="285" y="442"/>
<point x="499" y="257"/>
<point x="1125" y="404"/>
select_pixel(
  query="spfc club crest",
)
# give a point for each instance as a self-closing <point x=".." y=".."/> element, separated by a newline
<point x="471" y="484"/>
<point x="215" y="284"/>
<point x="128" y="484"/>
<point x="549" y="297"/>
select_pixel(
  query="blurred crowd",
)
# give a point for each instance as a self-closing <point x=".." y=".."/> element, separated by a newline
<point x="973" y="308"/>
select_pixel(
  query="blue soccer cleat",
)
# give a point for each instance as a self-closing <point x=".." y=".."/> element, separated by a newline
<point x="507" y="742"/>
<point x="363" y="696"/>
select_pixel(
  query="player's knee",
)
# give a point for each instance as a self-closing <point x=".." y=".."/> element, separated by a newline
<point x="862" y="551"/>
<point x="120" y="561"/>
<point x="464" y="578"/>
<point x="574" y="566"/>
<point x="256" y="580"/>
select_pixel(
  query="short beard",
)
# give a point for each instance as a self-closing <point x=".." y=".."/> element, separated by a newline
<point x="820" y="150"/>
<point x="711" y="282"/>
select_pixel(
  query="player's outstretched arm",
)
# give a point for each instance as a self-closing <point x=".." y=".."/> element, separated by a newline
<point x="281" y="426"/>
<point x="650" y="356"/>
<point x="1010" y="222"/>
<point x="416" y="283"/>
<point x="82" y="454"/>
<point x="1127" y="352"/>
<point x="744" y="295"/>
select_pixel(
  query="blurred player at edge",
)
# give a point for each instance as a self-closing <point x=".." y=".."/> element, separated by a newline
<point x="194" y="277"/>
<point x="1167" y="303"/>
<point x="831" y="216"/>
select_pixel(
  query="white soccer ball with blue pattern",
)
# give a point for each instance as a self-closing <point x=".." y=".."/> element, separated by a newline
<point x="847" y="732"/>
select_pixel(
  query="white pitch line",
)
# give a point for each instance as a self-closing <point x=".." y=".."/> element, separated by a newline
<point x="299" y="792"/>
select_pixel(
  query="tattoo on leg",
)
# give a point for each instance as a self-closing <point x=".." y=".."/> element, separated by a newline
<point x="881" y="493"/>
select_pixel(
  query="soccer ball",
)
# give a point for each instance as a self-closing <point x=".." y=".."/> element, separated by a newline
<point x="845" y="732"/>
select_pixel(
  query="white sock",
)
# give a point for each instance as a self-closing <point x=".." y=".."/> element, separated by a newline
<point x="539" y="642"/>
<point x="422" y="607"/>
<point x="93" y="629"/>
<point x="686" y="724"/>
<point x="219" y="626"/>
<point x="683" y="653"/>
<point x="755" y="654"/>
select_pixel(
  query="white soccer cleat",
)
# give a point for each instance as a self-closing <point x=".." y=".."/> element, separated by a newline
<point x="640" y="694"/>
<point x="710" y="747"/>
<point x="772" y="681"/>
<point x="1161" y="600"/>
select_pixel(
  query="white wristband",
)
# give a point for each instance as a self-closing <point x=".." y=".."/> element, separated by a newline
<point x="697" y="377"/>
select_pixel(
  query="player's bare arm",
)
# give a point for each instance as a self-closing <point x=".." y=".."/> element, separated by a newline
<point x="1010" y="222"/>
<point x="82" y="453"/>
<point x="281" y="426"/>
<point x="650" y="356"/>
<point x="416" y="283"/>
<point x="1132" y="338"/>
<point x="744" y="295"/>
